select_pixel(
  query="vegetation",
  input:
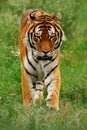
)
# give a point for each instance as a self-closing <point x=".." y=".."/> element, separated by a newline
<point x="73" y="96"/>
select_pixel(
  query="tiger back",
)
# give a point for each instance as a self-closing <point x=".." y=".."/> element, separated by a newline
<point x="40" y="39"/>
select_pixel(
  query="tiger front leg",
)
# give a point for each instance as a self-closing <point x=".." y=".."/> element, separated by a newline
<point x="37" y="92"/>
<point x="32" y="91"/>
<point x="26" y="89"/>
<point x="53" y="87"/>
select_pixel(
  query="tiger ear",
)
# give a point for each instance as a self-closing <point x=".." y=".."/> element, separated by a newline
<point x="64" y="37"/>
<point x="57" y="18"/>
<point x="32" y="17"/>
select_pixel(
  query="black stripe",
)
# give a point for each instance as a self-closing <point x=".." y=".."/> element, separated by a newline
<point x="49" y="62"/>
<point x="38" y="82"/>
<point x="34" y="86"/>
<point x="51" y="71"/>
<point x="58" y="27"/>
<point x="31" y="45"/>
<point x="41" y="24"/>
<point x="30" y="73"/>
<point x="59" y="42"/>
<point x="37" y="89"/>
<point x="58" y="45"/>
<point x="34" y="58"/>
<point x="29" y="61"/>
<point x="31" y="28"/>
<point x="48" y="84"/>
<point x="60" y="33"/>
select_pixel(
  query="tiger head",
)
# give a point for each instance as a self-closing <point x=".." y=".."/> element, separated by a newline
<point x="44" y="35"/>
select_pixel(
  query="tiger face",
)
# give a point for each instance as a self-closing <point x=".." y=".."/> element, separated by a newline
<point x="44" y="37"/>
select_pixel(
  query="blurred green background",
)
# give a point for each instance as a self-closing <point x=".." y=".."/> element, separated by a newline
<point x="73" y="95"/>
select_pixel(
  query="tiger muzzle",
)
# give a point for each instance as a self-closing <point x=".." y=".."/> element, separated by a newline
<point x="45" y="55"/>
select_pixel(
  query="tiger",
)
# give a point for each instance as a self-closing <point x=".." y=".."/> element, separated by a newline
<point x="40" y="39"/>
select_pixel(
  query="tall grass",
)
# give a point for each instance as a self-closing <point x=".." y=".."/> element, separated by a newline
<point x="40" y="118"/>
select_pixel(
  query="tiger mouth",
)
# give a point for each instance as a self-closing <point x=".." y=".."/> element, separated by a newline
<point x="44" y="57"/>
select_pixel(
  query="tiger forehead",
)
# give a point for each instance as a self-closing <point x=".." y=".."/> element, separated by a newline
<point x="45" y="18"/>
<point x="45" y="29"/>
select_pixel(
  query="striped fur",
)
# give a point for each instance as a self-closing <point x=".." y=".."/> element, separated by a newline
<point x="40" y="40"/>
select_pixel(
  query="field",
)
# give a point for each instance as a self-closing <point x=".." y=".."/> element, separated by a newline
<point x="73" y="95"/>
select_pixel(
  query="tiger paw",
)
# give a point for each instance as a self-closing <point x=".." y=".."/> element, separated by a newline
<point x="38" y="98"/>
<point x="38" y="101"/>
<point x="27" y="103"/>
<point x="52" y="104"/>
<point x="38" y="93"/>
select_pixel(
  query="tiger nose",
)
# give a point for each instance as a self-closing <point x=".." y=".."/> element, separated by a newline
<point x="46" y="52"/>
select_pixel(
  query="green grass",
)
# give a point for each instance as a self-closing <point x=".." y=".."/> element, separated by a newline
<point x="73" y="95"/>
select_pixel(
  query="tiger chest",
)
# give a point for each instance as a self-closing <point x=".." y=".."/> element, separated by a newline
<point x="38" y="70"/>
<point x="33" y="69"/>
